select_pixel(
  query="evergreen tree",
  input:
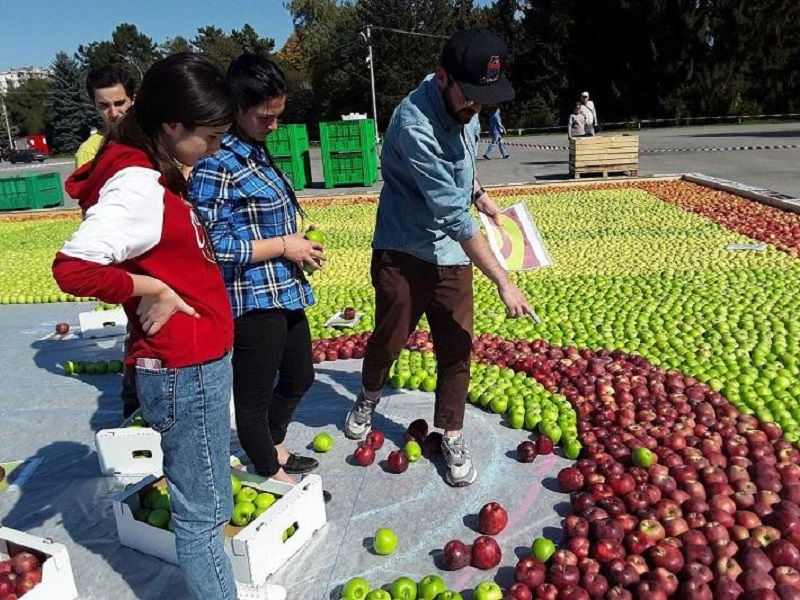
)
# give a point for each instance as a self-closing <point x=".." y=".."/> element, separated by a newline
<point x="128" y="48"/>
<point x="71" y="115"/>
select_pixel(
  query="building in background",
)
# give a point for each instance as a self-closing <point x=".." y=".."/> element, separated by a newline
<point x="16" y="77"/>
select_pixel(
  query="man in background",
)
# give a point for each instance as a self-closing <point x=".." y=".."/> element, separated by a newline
<point x="111" y="91"/>
<point x="590" y="113"/>
<point x="497" y="131"/>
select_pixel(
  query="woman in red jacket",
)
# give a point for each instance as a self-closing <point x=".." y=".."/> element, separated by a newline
<point x="141" y="244"/>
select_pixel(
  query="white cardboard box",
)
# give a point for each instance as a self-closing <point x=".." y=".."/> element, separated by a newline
<point x="103" y="323"/>
<point x="57" y="580"/>
<point x="132" y="452"/>
<point x="129" y="452"/>
<point x="256" y="551"/>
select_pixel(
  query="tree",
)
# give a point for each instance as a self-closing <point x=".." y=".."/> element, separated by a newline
<point x="71" y="115"/>
<point x="128" y="47"/>
<point x="222" y="48"/>
<point x="175" y="45"/>
<point x="29" y="106"/>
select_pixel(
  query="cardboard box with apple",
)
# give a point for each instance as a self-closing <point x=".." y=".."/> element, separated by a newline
<point x="256" y="550"/>
<point x="46" y="562"/>
<point x="133" y="450"/>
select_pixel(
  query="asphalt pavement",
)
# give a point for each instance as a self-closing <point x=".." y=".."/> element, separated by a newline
<point x="761" y="155"/>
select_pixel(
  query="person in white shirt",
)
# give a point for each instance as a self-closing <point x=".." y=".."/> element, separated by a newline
<point x="577" y="122"/>
<point x="590" y="112"/>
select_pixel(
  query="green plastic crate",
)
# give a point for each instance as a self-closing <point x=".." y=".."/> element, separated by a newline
<point x="288" y="140"/>
<point x="14" y="193"/>
<point x="45" y="190"/>
<point x="347" y="136"/>
<point x="296" y="168"/>
<point x="350" y="168"/>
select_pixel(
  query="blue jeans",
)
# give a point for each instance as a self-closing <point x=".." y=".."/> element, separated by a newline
<point x="189" y="406"/>
<point x="497" y="140"/>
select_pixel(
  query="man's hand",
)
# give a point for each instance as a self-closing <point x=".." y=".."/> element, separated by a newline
<point x="515" y="301"/>
<point x="487" y="206"/>
<point x="156" y="309"/>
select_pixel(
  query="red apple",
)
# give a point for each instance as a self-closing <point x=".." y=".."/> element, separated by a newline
<point x="397" y="461"/>
<point x="570" y="479"/>
<point x="375" y="439"/>
<point x="364" y="455"/>
<point x="485" y="553"/>
<point x="530" y="571"/>
<point x="62" y="328"/>
<point x="492" y="519"/>
<point x="456" y="555"/>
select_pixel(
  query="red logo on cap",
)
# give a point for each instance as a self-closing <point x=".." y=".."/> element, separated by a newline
<point x="493" y="69"/>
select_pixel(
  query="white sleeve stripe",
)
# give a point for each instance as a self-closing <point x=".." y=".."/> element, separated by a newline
<point x="126" y="222"/>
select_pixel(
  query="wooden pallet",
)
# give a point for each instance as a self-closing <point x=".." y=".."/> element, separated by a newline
<point x="604" y="155"/>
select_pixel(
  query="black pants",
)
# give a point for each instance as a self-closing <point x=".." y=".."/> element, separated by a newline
<point x="269" y="345"/>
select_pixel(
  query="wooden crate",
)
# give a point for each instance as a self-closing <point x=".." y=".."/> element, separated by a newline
<point x="604" y="154"/>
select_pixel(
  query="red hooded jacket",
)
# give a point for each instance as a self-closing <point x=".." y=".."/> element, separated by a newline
<point x="134" y="225"/>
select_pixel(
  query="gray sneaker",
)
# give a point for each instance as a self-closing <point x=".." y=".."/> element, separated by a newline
<point x="359" y="419"/>
<point x="460" y="470"/>
<point x="262" y="591"/>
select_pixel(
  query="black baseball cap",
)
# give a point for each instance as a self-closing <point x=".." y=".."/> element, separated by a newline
<point x="476" y="59"/>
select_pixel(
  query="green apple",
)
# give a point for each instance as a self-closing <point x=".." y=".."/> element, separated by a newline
<point x="412" y="450"/>
<point x="543" y="549"/>
<point x="499" y="405"/>
<point x="384" y="541"/>
<point x="404" y="588"/>
<point x="152" y="496"/>
<point x="243" y="513"/>
<point x="355" y="589"/>
<point x="158" y="518"/>
<point x="246" y="494"/>
<point x="141" y="514"/>
<point x="430" y="586"/>
<point x="449" y="595"/>
<point x="516" y="418"/>
<point x="488" y="590"/>
<point x="572" y="449"/>
<point x="236" y="485"/>
<point x="379" y="595"/>
<point x="429" y="383"/>
<point x="314" y="235"/>
<point x="552" y="431"/>
<point x="642" y="457"/>
<point x="264" y="500"/>
<point x="323" y="442"/>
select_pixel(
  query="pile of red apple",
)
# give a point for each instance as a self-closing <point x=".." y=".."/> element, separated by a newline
<point x="484" y="553"/>
<point x="19" y="574"/>
<point x="342" y="347"/>
<point x="716" y="514"/>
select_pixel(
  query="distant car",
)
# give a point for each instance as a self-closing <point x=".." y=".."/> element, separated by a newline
<point x="26" y="156"/>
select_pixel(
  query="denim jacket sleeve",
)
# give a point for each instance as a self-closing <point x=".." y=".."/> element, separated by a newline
<point x="434" y="176"/>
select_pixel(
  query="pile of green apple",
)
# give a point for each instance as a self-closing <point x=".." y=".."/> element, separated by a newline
<point x="98" y="367"/>
<point x="249" y="503"/>
<point x="155" y="508"/>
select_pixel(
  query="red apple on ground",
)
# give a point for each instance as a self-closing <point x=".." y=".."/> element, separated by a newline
<point x="485" y="553"/>
<point x="397" y="461"/>
<point x="364" y="455"/>
<point x="492" y="519"/>
<point x="456" y="555"/>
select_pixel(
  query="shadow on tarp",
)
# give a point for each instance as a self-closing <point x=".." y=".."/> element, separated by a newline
<point x="51" y="355"/>
<point x="82" y="507"/>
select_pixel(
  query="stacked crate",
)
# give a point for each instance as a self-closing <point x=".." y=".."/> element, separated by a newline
<point x="31" y="191"/>
<point x="349" y="152"/>
<point x="289" y="148"/>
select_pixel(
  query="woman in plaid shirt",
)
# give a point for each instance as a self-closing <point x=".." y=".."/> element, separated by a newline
<point x="252" y="213"/>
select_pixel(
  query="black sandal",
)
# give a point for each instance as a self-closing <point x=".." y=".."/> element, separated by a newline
<point x="297" y="464"/>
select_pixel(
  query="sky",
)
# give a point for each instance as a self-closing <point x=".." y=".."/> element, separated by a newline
<point x="33" y="31"/>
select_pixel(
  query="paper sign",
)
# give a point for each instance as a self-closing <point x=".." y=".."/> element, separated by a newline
<point x="740" y="247"/>
<point x="516" y="243"/>
<point x="338" y="320"/>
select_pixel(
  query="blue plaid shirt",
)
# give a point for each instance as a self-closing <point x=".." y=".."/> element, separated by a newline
<point x="242" y="198"/>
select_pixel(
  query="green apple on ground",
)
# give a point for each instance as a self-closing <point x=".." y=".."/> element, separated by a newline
<point x="404" y="588"/>
<point x="384" y="541"/>
<point x="356" y="588"/>
<point x="449" y="595"/>
<point x="413" y="451"/>
<point x="323" y="442"/>
<point x="643" y="457"/>
<point x="430" y="586"/>
<point x="543" y="549"/>
<point x="379" y="595"/>
<point x="487" y="590"/>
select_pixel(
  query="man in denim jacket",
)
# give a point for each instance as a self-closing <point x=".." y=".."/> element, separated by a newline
<point x="426" y="239"/>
